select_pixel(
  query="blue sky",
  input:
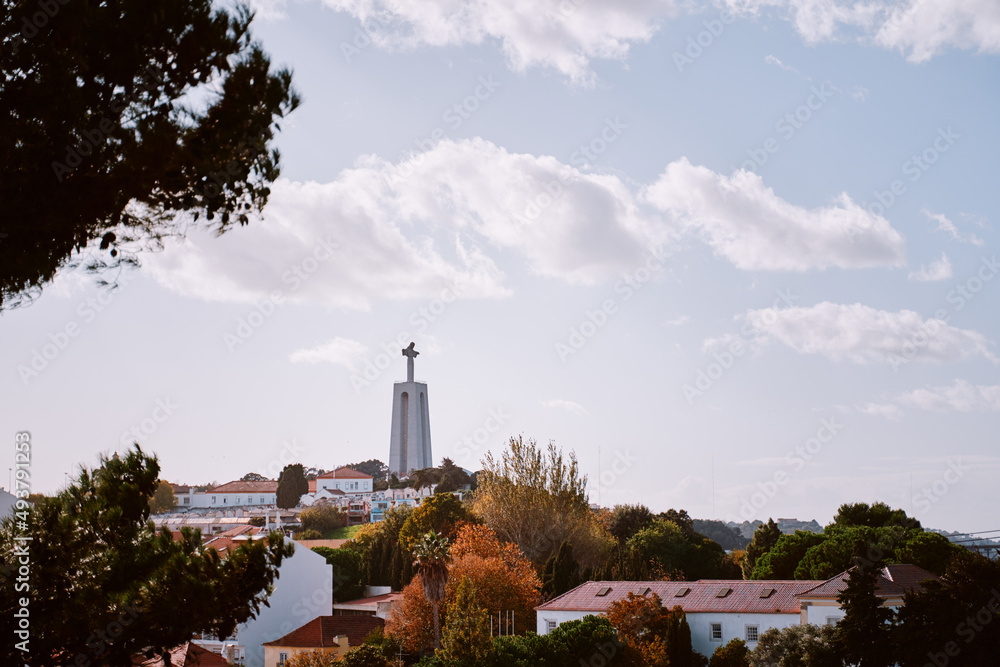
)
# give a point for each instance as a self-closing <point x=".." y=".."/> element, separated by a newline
<point x="738" y="256"/>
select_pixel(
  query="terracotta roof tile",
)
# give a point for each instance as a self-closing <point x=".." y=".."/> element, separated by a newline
<point x="320" y="632"/>
<point x="894" y="582"/>
<point x="344" y="473"/>
<point x="187" y="654"/>
<point x="743" y="597"/>
<point x="267" y="486"/>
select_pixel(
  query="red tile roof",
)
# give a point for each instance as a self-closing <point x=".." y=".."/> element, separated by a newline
<point x="320" y="632"/>
<point x="743" y="597"/>
<point x="266" y="486"/>
<point x="344" y="473"/>
<point x="187" y="654"/>
<point x="894" y="582"/>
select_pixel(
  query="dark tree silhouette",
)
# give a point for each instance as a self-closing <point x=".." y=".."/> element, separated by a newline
<point x="127" y="121"/>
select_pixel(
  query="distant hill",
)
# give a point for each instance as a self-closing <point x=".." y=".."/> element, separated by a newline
<point x="786" y="526"/>
<point x="729" y="538"/>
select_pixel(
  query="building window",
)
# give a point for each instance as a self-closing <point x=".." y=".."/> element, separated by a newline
<point x="716" y="632"/>
<point x="751" y="633"/>
<point x="213" y="500"/>
<point x="549" y="626"/>
<point x="187" y="501"/>
<point x="832" y="620"/>
<point x="282" y="658"/>
<point x="225" y="500"/>
<point x="237" y="501"/>
<point x="262" y="501"/>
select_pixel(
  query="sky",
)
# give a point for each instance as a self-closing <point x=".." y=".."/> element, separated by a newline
<point x="737" y="256"/>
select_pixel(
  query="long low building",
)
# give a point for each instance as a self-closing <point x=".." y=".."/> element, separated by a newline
<point x="719" y="611"/>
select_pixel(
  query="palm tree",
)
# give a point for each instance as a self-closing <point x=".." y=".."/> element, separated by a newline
<point x="432" y="557"/>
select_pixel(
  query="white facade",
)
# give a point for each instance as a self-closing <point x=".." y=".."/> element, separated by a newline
<point x="303" y="591"/>
<point x="345" y="485"/>
<point x="214" y="500"/>
<point x="703" y="640"/>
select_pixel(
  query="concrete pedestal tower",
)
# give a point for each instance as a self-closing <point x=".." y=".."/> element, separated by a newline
<point x="410" y="443"/>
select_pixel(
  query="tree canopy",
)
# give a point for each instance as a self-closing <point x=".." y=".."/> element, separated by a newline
<point x="163" y="499"/>
<point x="125" y="125"/>
<point x="292" y="485"/>
<point x="97" y="563"/>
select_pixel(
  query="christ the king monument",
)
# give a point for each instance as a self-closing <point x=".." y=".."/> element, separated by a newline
<point x="410" y="443"/>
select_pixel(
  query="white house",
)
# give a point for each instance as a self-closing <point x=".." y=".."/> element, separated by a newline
<point x="820" y="606"/>
<point x="228" y="496"/>
<point x="8" y="502"/>
<point x="347" y="480"/>
<point x="302" y="591"/>
<point x="717" y="611"/>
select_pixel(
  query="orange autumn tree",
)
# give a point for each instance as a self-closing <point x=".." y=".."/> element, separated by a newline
<point x="503" y="579"/>
<point x="652" y="635"/>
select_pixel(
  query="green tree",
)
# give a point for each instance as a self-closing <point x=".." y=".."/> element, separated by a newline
<point x="732" y="654"/>
<point x="348" y="572"/>
<point x="118" y="119"/>
<point x="253" y="477"/>
<point x="797" y="646"/>
<point x="378" y="470"/>
<point x="562" y="572"/>
<point x="324" y="519"/>
<point x="441" y="513"/>
<point x="432" y="556"/>
<point x="865" y="632"/>
<point x="292" y="485"/>
<point x="466" y="639"/>
<point x="627" y="520"/>
<point x="876" y="515"/>
<point x="365" y="656"/>
<point x="586" y="640"/>
<point x="97" y="562"/>
<point x="952" y="621"/>
<point x="163" y="499"/>
<point x="536" y="499"/>
<point x="665" y="549"/>
<point x="764" y="539"/>
<point x="782" y="560"/>
<point x="452" y="478"/>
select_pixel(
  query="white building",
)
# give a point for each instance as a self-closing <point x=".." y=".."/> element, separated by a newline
<point x="719" y="611"/>
<point x="302" y="591"/>
<point x="228" y="496"/>
<point x="347" y="480"/>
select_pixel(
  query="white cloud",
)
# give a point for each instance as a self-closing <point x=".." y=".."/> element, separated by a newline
<point x="564" y="35"/>
<point x="745" y="222"/>
<point x="416" y="228"/>
<point x="960" y="396"/>
<point x="864" y="335"/>
<point x="680" y="320"/>
<point x="433" y="222"/>
<point x="340" y="351"/>
<point x="921" y="29"/>
<point x="887" y="410"/>
<point x="939" y="269"/>
<point x="575" y="408"/>
<point x="948" y="227"/>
